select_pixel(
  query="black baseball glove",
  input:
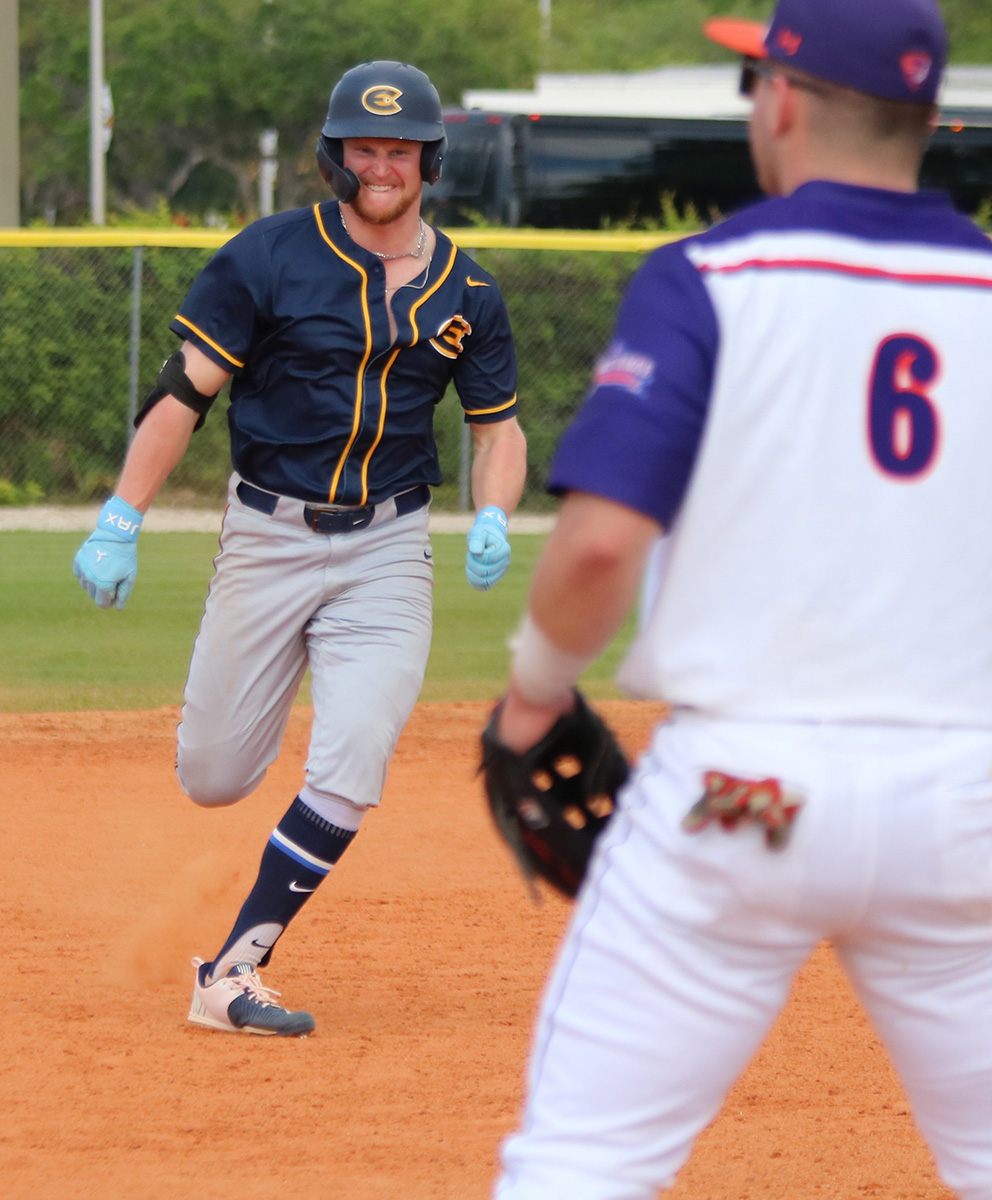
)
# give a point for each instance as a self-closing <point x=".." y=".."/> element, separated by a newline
<point x="552" y="802"/>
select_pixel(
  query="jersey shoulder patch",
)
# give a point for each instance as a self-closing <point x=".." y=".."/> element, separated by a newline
<point x="623" y="368"/>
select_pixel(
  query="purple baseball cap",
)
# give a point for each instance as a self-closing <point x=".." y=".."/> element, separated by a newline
<point x="895" y="49"/>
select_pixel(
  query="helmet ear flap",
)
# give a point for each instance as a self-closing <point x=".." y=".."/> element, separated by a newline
<point x="342" y="182"/>
<point x="431" y="157"/>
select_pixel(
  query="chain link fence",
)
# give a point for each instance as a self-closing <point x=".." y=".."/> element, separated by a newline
<point x="84" y="329"/>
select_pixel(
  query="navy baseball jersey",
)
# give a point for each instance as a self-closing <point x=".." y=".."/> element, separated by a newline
<point x="801" y="397"/>
<point x="325" y="405"/>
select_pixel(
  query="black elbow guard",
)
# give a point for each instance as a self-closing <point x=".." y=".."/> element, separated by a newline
<point x="173" y="381"/>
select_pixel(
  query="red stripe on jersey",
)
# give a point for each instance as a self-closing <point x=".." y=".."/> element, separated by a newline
<point x="813" y="264"/>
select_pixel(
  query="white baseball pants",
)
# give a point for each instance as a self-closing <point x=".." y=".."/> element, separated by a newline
<point x="682" y="949"/>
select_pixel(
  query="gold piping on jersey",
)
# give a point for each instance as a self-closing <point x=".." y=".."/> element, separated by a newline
<point x="427" y="295"/>
<point x="360" y="381"/>
<point x="382" y="424"/>
<point x="210" y="342"/>
<point x="384" y="400"/>
<point x="485" y="412"/>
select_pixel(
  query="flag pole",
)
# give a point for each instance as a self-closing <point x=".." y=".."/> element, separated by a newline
<point x="98" y="165"/>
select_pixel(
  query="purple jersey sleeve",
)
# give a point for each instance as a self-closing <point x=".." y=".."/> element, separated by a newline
<point x="635" y="438"/>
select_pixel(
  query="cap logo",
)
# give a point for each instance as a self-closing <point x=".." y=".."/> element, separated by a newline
<point x="915" y="66"/>
<point x="788" y="41"/>
<point x="382" y="100"/>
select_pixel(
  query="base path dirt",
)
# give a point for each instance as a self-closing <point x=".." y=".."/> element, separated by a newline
<point x="422" y="959"/>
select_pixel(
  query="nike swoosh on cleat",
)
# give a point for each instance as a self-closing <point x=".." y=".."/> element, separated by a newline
<point x="294" y="887"/>
<point x="475" y="282"/>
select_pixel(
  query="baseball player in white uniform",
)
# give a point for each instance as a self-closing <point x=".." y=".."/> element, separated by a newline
<point x="800" y="399"/>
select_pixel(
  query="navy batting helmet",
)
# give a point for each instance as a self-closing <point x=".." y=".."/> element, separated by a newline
<point x="381" y="100"/>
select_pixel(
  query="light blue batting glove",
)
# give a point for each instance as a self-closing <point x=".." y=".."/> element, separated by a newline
<point x="106" y="564"/>
<point x="488" y="549"/>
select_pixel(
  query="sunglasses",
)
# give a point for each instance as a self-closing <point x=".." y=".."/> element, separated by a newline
<point x="753" y="69"/>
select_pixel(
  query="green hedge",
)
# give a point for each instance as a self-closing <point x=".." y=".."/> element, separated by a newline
<point x="65" y="361"/>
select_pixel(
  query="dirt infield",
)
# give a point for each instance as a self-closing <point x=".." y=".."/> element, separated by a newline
<point x="421" y="958"/>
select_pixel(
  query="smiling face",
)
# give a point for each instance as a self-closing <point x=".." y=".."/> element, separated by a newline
<point x="389" y="172"/>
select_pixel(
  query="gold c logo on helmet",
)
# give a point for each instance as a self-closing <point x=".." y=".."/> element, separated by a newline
<point x="449" y="338"/>
<point x="382" y="100"/>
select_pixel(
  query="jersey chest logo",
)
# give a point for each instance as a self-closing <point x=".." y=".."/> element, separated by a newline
<point x="450" y="338"/>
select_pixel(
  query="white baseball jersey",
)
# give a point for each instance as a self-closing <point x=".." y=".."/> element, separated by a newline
<point x="803" y="397"/>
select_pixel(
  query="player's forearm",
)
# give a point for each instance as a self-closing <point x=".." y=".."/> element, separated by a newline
<point x="589" y="576"/>
<point x="587" y="581"/>
<point x="499" y="466"/>
<point x="159" y="444"/>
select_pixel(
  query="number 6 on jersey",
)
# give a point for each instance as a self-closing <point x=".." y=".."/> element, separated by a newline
<point x="903" y="425"/>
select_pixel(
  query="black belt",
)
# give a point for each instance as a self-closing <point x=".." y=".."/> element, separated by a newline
<point x="334" y="520"/>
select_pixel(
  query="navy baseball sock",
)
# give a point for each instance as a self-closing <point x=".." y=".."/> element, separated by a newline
<point x="300" y="853"/>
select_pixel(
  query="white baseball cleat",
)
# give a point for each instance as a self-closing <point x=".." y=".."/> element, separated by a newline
<point x="239" y="1002"/>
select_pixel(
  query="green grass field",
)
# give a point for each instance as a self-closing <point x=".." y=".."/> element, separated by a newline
<point x="59" y="653"/>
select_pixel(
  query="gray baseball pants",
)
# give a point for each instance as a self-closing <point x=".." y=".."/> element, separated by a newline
<point x="354" y="607"/>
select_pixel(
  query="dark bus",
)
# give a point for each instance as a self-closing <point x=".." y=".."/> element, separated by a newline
<point x="584" y="172"/>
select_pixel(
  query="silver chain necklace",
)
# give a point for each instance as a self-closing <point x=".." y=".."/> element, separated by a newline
<point x="418" y="253"/>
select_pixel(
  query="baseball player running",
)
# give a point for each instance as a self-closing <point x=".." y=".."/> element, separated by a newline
<point x="340" y="327"/>
<point x="800" y="398"/>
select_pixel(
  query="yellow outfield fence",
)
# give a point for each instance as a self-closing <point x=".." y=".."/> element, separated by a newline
<point x="84" y="329"/>
<point x="607" y="241"/>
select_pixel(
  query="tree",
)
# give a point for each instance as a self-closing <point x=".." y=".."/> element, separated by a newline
<point x="195" y="84"/>
<point x="54" y="107"/>
<point x="196" y="81"/>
